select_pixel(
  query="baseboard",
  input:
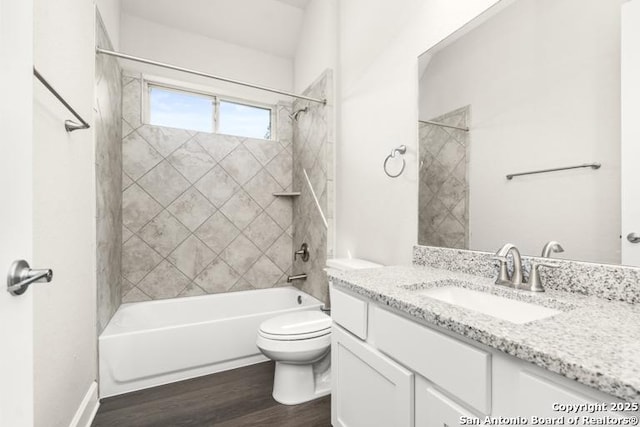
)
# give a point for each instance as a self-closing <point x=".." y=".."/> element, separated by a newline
<point x="88" y="408"/>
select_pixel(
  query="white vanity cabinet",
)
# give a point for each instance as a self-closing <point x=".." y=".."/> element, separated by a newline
<point x="370" y="389"/>
<point x="457" y="368"/>
<point x="433" y="409"/>
<point x="389" y="370"/>
<point x="522" y="389"/>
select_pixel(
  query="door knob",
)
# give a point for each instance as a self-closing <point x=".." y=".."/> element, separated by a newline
<point x="633" y="237"/>
<point x="20" y="276"/>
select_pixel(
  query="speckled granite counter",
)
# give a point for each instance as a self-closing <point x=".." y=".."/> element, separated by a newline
<point x="593" y="340"/>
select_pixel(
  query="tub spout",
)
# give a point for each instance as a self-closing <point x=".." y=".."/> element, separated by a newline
<point x="302" y="276"/>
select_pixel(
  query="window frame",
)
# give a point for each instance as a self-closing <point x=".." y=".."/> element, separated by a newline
<point x="148" y="83"/>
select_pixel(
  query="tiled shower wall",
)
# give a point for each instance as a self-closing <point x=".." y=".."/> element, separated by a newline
<point x="198" y="208"/>
<point x="443" y="195"/>
<point x="108" y="151"/>
<point x="313" y="142"/>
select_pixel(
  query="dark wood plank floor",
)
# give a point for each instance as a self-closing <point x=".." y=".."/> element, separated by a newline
<point x="241" y="397"/>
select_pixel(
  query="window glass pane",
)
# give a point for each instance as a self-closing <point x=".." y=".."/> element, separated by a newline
<point x="244" y="120"/>
<point x="180" y="109"/>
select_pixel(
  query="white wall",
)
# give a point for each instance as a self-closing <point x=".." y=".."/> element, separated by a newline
<point x="110" y="11"/>
<point x="16" y="152"/>
<point x="64" y="212"/>
<point x="317" y="43"/>
<point x="378" y="67"/>
<point x="161" y="43"/>
<point x="548" y="95"/>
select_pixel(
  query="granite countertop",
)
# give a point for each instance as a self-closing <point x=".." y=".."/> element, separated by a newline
<point x="593" y="341"/>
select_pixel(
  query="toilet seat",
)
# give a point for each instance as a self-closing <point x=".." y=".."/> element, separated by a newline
<point x="297" y="337"/>
<point x="300" y="325"/>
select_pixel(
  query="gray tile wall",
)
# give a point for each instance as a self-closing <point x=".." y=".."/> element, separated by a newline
<point x="313" y="142"/>
<point x="198" y="211"/>
<point x="108" y="150"/>
<point x="443" y="195"/>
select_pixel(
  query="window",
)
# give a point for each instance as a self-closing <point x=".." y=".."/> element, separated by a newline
<point x="244" y="120"/>
<point x="179" y="109"/>
<point x="207" y="113"/>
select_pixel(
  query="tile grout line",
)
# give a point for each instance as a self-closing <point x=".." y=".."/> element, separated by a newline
<point x="165" y="207"/>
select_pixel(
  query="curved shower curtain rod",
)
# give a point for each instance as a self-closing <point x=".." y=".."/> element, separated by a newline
<point x="201" y="74"/>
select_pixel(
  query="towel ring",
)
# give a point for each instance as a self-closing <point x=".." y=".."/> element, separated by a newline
<point x="401" y="149"/>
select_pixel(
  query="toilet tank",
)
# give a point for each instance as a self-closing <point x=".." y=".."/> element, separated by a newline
<point x="345" y="264"/>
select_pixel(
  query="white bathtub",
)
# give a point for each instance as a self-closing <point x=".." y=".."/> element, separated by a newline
<point x="157" y="342"/>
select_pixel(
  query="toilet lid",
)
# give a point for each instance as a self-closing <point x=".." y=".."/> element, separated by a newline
<point x="301" y="324"/>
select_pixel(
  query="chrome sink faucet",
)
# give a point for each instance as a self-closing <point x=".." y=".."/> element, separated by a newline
<point x="515" y="279"/>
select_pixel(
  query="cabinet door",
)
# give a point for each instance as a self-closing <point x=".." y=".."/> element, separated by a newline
<point x="435" y="410"/>
<point x="368" y="389"/>
<point x="541" y="398"/>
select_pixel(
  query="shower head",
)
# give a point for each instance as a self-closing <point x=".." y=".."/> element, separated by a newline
<point x="295" y="114"/>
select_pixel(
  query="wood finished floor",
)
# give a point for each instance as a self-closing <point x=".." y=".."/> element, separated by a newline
<point x="241" y="397"/>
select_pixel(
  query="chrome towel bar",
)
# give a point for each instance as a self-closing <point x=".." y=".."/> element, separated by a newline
<point x="69" y="125"/>
<point x="586" y="165"/>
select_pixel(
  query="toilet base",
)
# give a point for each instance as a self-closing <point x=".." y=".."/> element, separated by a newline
<point x="294" y="384"/>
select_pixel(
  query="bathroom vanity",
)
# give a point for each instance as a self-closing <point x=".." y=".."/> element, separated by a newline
<point x="402" y="356"/>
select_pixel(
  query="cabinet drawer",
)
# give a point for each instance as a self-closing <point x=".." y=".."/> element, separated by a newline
<point x="460" y="369"/>
<point x="349" y="312"/>
<point x="435" y="410"/>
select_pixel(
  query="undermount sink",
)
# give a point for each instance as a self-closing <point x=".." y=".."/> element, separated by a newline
<point x="496" y="306"/>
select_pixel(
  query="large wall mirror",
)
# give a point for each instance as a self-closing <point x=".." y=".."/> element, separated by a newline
<point x="533" y="85"/>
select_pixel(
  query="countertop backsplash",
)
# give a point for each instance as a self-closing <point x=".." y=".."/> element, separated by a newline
<point x="611" y="282"/>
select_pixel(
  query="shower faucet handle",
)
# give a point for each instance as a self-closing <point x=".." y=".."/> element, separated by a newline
<point x="303" y="252"/>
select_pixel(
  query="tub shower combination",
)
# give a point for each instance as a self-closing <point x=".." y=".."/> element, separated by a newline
<point x="158" y="342"/>
<point x="146" y="344"/>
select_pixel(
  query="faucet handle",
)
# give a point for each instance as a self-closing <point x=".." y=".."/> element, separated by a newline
<point x="503" y="274"/>
<point x="534" y="282"/>
<point x="303" y="252"/>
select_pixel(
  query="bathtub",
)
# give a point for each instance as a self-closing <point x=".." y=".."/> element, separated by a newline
<point x="158" y="342"/>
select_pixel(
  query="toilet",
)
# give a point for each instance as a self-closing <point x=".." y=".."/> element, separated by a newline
<point x="300" y="343"/>
<point x="296" y="342"/>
